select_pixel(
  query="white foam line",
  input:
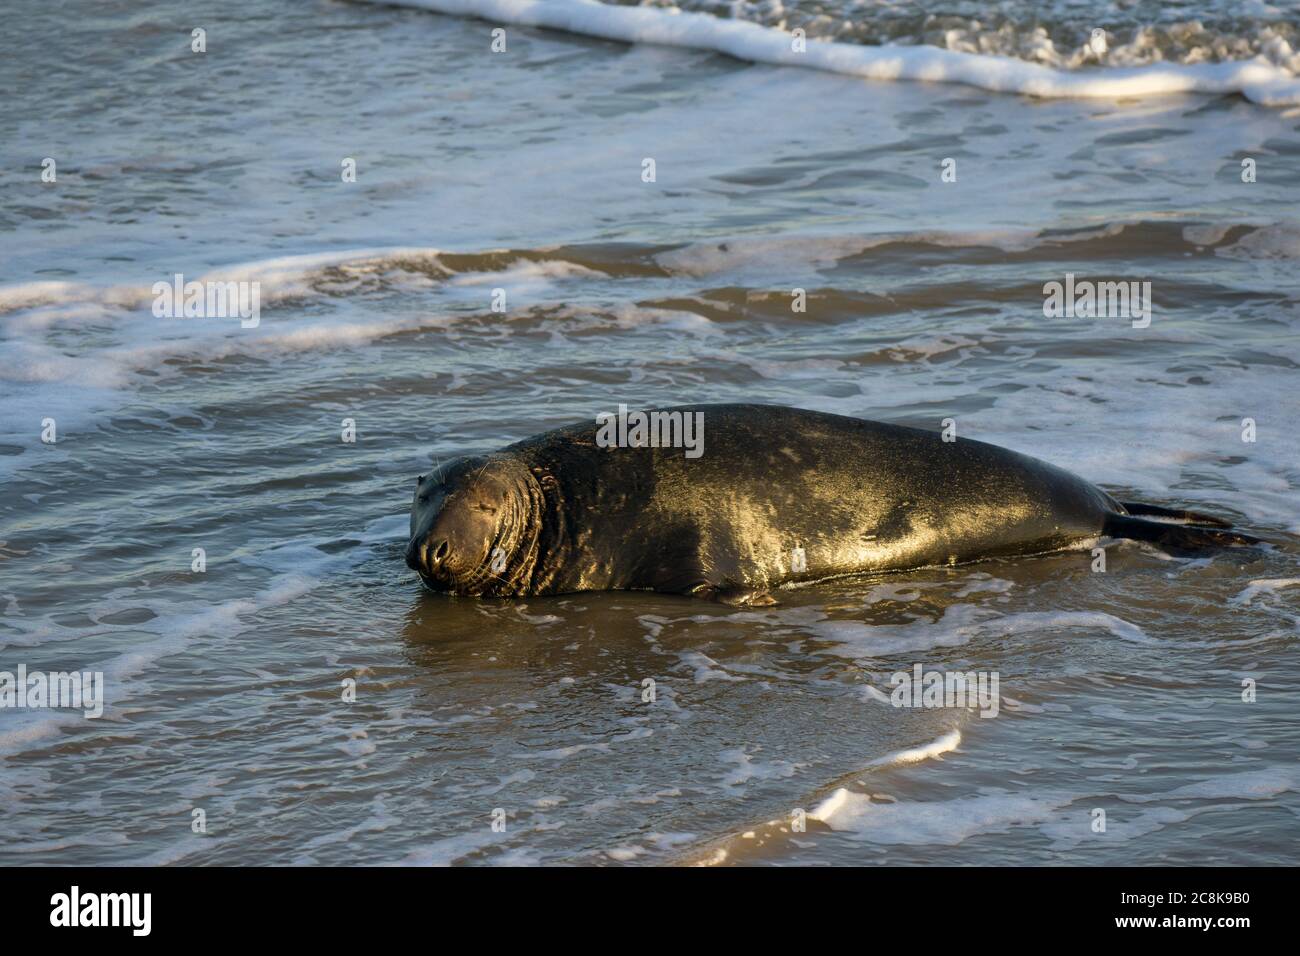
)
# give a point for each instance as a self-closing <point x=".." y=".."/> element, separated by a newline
<point x="943" y="745"/>
<point x="838" y="800"/>
<point x="1256" y="79"/>
<point x="1262" y="586"/>
<point x="842" y="799"/>
<point x="832" y="805"/>
<point x="281" y="278"/>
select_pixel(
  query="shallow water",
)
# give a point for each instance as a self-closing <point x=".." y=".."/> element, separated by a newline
<point x="1120" y="691"/>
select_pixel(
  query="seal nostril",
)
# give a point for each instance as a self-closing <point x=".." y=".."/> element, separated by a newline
<point x="440" y="552"/>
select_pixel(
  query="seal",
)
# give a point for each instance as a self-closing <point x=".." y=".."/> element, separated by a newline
<point x="773" y="496"/>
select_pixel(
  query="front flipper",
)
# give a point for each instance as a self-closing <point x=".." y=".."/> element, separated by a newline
<point x="736" y="597"/>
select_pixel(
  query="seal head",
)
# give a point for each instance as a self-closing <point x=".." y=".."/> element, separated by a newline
<point x="474" y="527"/>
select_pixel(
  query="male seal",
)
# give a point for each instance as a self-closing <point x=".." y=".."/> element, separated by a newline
<point x="773" y="495"/>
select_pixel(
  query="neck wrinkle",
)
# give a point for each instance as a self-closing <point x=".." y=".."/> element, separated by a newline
<point x="549" y="528"/>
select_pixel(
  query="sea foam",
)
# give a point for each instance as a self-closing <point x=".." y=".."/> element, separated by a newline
<point x="1256" y="79"/>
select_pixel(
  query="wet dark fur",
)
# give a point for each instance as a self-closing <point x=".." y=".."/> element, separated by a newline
<point x="560" y="514"/>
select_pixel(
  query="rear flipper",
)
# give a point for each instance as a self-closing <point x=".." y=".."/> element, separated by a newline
<point x="1181" y="537"/>
<point x="1155" y="511"/>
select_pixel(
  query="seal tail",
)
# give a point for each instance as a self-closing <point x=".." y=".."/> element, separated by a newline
<point x="1192" y="536"/>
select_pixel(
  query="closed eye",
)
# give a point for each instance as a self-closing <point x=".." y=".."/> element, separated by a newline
<point x="487" y="508"/>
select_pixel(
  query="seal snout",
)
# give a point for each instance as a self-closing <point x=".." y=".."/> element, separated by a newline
<point x="424" y="555"/>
